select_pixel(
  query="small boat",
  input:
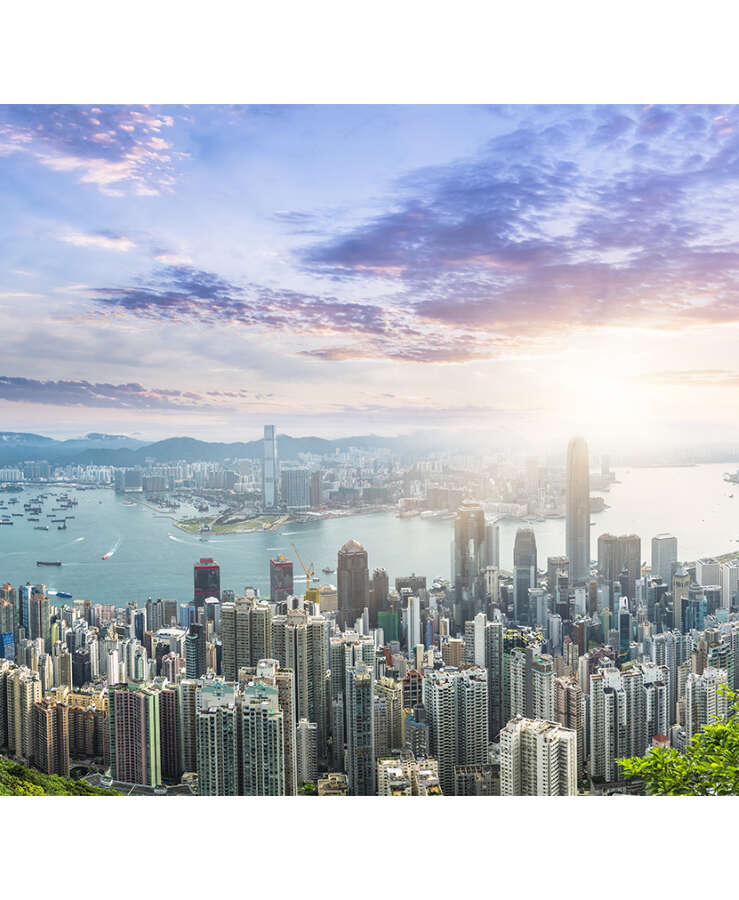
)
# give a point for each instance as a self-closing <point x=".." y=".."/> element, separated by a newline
<point x="328" y="571"/>
<point x="40" y="527"/>
<point x="42" y="563"/>
<point x="106" y="556"/>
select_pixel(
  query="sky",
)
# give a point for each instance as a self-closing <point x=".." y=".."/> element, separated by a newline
<point x="337" y="270"/>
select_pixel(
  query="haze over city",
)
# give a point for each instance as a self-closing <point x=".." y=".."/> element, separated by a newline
<point x="533" y="271"/>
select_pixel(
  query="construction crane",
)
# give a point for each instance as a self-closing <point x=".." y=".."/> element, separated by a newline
<point x="309" y="572"/>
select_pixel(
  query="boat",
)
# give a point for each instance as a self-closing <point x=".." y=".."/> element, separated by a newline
<point x="40" y="562"/>
<point x="61" y="527"/>
<point x="40" y="527"/>
<point x="7" y="522"/>
<point x="64" y="594"/>
<point x="106" y="556"/>
<point x="328" y="571"/>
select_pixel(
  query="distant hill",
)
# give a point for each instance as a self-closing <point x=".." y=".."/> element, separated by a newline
<point x="16" y="446"/>
<point x="119" y="450"/>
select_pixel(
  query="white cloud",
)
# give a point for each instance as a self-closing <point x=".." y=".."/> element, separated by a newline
<point x="173" y="259"/>
<point x="101" y="241"/>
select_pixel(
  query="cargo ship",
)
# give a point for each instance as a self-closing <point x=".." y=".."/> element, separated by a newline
<point x="42" y="563"/>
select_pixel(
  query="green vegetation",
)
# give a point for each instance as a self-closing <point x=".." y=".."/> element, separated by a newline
<point x="307" y="789"/>
<point x="19" y="781"/>
<point x="709" y="766"/>
<point x="232" y="525"/>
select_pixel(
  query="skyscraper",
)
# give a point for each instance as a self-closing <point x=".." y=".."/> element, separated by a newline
<point x="704" y="700"/>
<point x="360" y="730"/>
<point x="664" y="556"/>
<point x="306" y="736"/>
<point x="524" y="574"/>
<point x="578" y="510"/>
<point x="627" y="710"/>
<point x="537" y="758"/>
<point x="617" y="556"/>
<point x="262" y="741"/>
<point x="195" y="651"/>
<point x="269" y="469"/>
<point x="246" y="634"/>
<point x="295" y="488"/>
<point x="207" y="579"/>
<point x="51" y="736"/>
<point x="470" y="557"/>
<point x="280" y="579"/>
<point x="352" y="582"/>
<point x="216" y="739"/>
<point x="135" y="747"/>
<point x="316" y="489"/>
<point x="456" y="703"/>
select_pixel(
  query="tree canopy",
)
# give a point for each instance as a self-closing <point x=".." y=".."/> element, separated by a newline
<point x="708" y="767"/>
<point x="18" y="780"/>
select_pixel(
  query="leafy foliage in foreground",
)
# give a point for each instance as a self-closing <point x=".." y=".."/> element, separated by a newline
<point x="17" y="780"/>
<point x="709" y="766"/>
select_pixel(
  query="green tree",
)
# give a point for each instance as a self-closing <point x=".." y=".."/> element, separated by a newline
<point x="708" y="767"/>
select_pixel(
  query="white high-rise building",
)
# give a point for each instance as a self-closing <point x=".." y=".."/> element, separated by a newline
<point x="627" y="710"/>
<point x="537" y="758"/>
<point x="531" y="683"/>
<point x="307" y="746"/>
<point x="729" y="584"/>
<point x="707" y="571"/>
<point x="664" y="555"/>
<point x="456" y="702"/>
<point x="479" y="626"/>
<point x="262" y="754"/>
<point x="414" y="623"/>
<point x="704" y="702"/>
<point x="269" y="468"/>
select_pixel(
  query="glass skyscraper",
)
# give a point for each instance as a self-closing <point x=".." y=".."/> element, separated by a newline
<point x="578" y="510"/>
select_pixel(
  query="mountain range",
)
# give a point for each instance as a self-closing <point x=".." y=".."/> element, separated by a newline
<point x="120" y="450"/>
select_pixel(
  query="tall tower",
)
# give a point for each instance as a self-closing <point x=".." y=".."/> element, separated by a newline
<point x="470" y="555"/>
<point x="664" y="555"/>
<point x="281" y="579"/>
<point x="206" y="581"/>
<point x="352" y="582"/>
<point x="578" y="510"/>
<point x="269" y="469"/>
<point x="135" y="746"/>
<point x="524" y="574"/>
<point x="360" y="730"/>
<point x="262" y="741"/>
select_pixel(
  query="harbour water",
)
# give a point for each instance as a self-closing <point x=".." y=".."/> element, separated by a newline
<point x="150" y="557"/>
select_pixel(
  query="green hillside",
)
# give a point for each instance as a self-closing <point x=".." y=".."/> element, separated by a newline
<point x="17" y="780"/>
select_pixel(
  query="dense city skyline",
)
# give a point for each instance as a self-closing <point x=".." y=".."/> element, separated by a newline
<point x="200" y="269"/>
<point x="511" y="677"/>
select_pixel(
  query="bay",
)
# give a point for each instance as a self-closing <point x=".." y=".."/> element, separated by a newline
<point x="152" y="558"/>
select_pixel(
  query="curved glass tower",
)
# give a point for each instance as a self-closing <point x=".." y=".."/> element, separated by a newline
<point x="578" y="510"/>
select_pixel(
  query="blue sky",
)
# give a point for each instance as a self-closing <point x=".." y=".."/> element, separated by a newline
<point x="346" y="269"/>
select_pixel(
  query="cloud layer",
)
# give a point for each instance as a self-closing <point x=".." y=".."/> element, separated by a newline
<point x="106" y="396"/>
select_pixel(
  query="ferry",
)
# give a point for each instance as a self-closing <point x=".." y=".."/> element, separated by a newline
<point x="42" y="563"/>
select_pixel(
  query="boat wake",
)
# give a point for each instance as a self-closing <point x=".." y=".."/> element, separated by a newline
<point x="112" y="550"/>
<point x="77" y="540"/>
